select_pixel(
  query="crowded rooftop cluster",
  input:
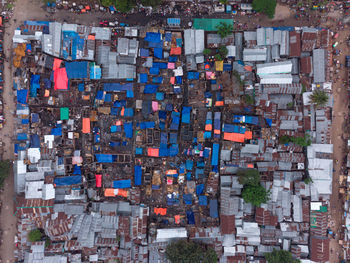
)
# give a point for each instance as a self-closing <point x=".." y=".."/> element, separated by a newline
<point x="132" y="138"/>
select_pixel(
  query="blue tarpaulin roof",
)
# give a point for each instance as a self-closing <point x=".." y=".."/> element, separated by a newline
<point x="56" y="131"/>
<point x="150" y="89"/>
<point x="186" y="114"/>
<point x="160" y="65"/>
<point x="234" y="128"/>
<point x="199" y="189"/>
<point x="203" y="200"/>
<point x="174" y="21"/>
<point x="138" y="175"/>
<point x="144" y="52"/>
<point x="157" y="80"/>
<point x="147" y="125"/>
<point x="246" y="119"/>
<point x="143" y="78"/>
<point x="215" y="155"/>
<point x="187" y="199"/>
<point x="34" y="85"/>
<point x="190" y="217"/>
<point x="34" y="141"/>
<point x="105" y="158"/>
<point x="22" y="96"/>
<point x="154" y="71"/>
<point x="35" y="117"/>
<point x="193" y="75"/>
<point x="77" y="69"/>
<point x="153" y="37"/>
<point x="77" y="170"/>
<point x="22" y="136"/>
<point x="213" y="208"/>
<point x="117" y="87"/>
<point x="122" y="184"/>
<point x="128" y="129"/>
<point x="68" y="180"/>
<point x="158" y="53"/>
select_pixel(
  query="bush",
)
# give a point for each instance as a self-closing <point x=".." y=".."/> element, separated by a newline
<point x="124" y="6"/>
<point x="107" y="3"/>
<point x="308" y="180"/>
<point x="248" y="177"/>
<point x="224" y="29"/>
<point x="206" y="52"/>
<point x="255" y="194"/>
<point x="35" y="235"/>
<point x="190" y="252"/>
<point x="218" y="57"/>
<point x="319" y="98"/>
<point x="301" y="141"/>
<point x="249" y="99"/>
<point x="152" y="3"/>
<point x="266" y="7"/>
<point x="278" y="256"/>
<point x="223" y="51"/>
<point x="4" y="171"/>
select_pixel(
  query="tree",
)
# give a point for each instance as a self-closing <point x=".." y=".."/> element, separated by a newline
<point x="124" y="6"/>
<point x="223" y="51"/>
<point x="255" y="194"/>
<point x="206" y="52"/>
<point x="107" y="3"/>
<point x="266" y="7"/>
<point x="249" y="99"/>
<point x="224" y="29"/>
<point x="278" y="256"/>
<point x="218" y="57"/>
<point x="190" y="252"/>
<point x="301" y="141"/>
<point x="4" y="171"/>
<point x="248" y="177"/>
<point x="319" y="98"/>
<point x="35" y="235"/>
<point x="152" y="3"/>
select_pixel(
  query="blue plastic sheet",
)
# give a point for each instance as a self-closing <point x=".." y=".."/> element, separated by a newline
<point x="77" y="170"/>
<point x="215" y="155"/>
<point x="160" y="65"/>
<point x="147" y="125"/>
<point x="153" y="37"/>
<point x="203" y="200"/>
<point x="186" y="114"/>
<point x="157" y="80"/>
<point x="34" y="85"/>
<point x="150" y="89"/>
<point x="190" y="217"/>
<point x="189" y="165"/>
<point x="160" y="96"/>
<point x="175" y="116"/>
<point x="34" y="141"/>
<point x="143" y="78"/>
<point x="22" y="136"/>
<point x="68" y="180"/>
<point x="173" y="138"/>
<point x="128" y="129"/>
<point x="105" y="158"/>
<point x="117" y="87"/>
<point x="138" y="175"/>
<point x="193" y="75"/>
<point x="158" y="53"/>
<point x="77" y="69"/>
<point x="172" y="59"/>
<point x="187" y="199"/>
<point x="213" y="208"/>
<point x="56" y="131"/>
<point x="121" y="184"/>
<point x="22" y="96"/>
<point x="234" y="128"/>
<point x="81" y="87"/>
<point x="199" y="189"/>
<point x="25" y="121"/>
<point x="162" y="114"/>
<point x="154" y="71"/>
<point x="35" y="117"/>
<point x="144" y="52"/>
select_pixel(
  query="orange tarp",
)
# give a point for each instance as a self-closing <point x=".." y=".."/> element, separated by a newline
<point x="219" y="103"/>
<point x="217" y="131"/>
<point x="175" y="51"/>
<point x="154" y="152"/>
<point x="56" y="64"/>
<point x="109" y="192"/>
<point x="177" y="219"/>
<point x="91" y="37"/>
<point x="248" y="135"/>
<point x="208" y="127"/>
<point x="121" y="192"/>
<point x="248" y="68"/>
<point x="86" y="125"/>
<point x="60" y="79"/>
<point x="234" y="137"/>
<point x="250" y="165"/>
<point x="160" y="211"/>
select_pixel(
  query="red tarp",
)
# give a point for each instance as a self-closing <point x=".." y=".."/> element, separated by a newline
<point x="60" y="79"/>
<point x="98" y="180"/>
<point x="56" y="64"/>
<point x="160" y="211"/>
<point x="175" y="51"/>
<point x="86" y="125"/>
<point x="153" y="152"/>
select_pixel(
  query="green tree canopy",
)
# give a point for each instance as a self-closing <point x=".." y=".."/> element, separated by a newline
<point x="206" y="52"/>
<point x="319" y="98"/>
<point x="255" y="194"/>
<point x="224" y="29"/>
<point x="249" y="99"/>
<point x="190" y="252"/>
<point x="266" y="7"/>
<point x="4" y="171"/>
<point x="123" y="6"/>
<point x="152" y="3"/>
<point x="301" y="141"/>
<point x="223" y="51"/>
<point x="35" y="235"/>
<point x="278" y="256"/>
<point x="248" y="176"/>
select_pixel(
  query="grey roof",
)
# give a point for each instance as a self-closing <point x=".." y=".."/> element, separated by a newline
<point x="69" y="209"/>
<point x="225" y="155"/>
<point x="319" y="62"/>
<point x="295" y="65"/>
<point x="297" y="209"/>
<point x="254" y="54"/>
<point x="265" y="36"/>
<point x="102" y="33"/>
<point x="250" y="148"/>
<point x="124" y="208"/>
<point x="213" y="39"/>
<point x="239" y="45"/>
<point x="249" y="35"/>
<point x="284" y="45"/>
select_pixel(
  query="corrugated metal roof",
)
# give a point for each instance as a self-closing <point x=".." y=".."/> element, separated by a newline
<point x="319" y="63"/>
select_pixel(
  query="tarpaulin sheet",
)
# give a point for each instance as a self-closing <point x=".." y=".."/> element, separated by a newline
<point x="163" y="138"/>
<point x="25" y="121"/>
<point x="34" y="141"/>
<point x="138" y="175"/>
<point x="77" y="69"/>
<point x="150" y="89"/>
<point x="233" y="128"/>
<point x="68" y="180"/>
<point x="203" y="200"/>
<point x="213" y="208"/>
<point x="22" y="95"/>
<point x="147" y="125"/>
<point x="56" y="63"/>
<point x="117" y="87"/>
<point x="215" y="155"/>
<point x="56" y="131"/>
<point x="172" y="59"/>
<point x="193" y="75"/>
<point x="105" y="158"/>
<point x="64" y="113"/>
<point x="128" y="129"/>
<point x="175" y="116"/>
<point x="98" y="180"/>
<point x="157" y="80"/>
<point x="86" y="125"/>
<point x="173" y="150"/>
<point x="162" y="114"/>
<point x="178" y="80"/>
<point x="143" y="78"/>
<point x="61" y="79"/>
<point x="153" y="152"/>
<point x="190" y="217"/>
<point x="160" y="65"/>
<point x="234" y="137"/>
<point x="175" y="51"/>
<point x="187" y="199"/>
<point x="199" y="189"/>
<point x="173" y="138"/>
<point x="138" y="150"/>
<point x="154" y="71"/>
<point x="186" y="115"/>
<point x="81" y="87"/>
<point x="153" y="37"/>
<point x="158" y="53"/>
<point x="144" y="52"/>
<point x="34" y="85"/>
<point x="77" y="170"/>
<point x="189" y="165"/>
<point x="122" y="184"/>
<point x="160" y="211"/>
<point x="246" y="119"/>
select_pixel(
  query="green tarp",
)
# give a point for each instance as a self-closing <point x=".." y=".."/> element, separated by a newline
<point x="64" y="113"/>
<point x="209" y="24"/>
